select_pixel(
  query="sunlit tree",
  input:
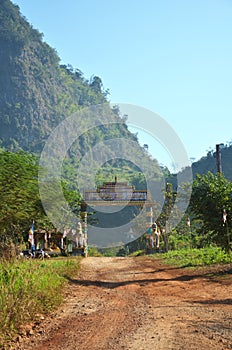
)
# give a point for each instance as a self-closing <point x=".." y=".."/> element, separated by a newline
<point x="211" y="198"/>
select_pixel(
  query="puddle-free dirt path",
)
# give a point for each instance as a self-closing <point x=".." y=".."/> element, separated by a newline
<point x="139" y="303"/>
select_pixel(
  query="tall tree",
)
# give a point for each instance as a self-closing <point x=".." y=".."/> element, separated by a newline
<point x="211" y="197"/>
<point x="20" y="202"/>
<point x="167" y="211"/>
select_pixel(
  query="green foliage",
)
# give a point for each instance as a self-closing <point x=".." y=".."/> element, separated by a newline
<point x="208" y="162"/>
<point x="169" y="199"/>
<point x="168" y="210"/>
<point x="92" y="251"/>
<point x="137" y="253"/>
<point x="210" y="196"/>
<point x="15" y="28"/>
<point x="36" y="93"/>
<point x="20" y="199"/>
<point x="20" y="202"/>
<point x="177" y="241"/>
<point x="197" y="257"/>
<point x="109" y="253"/>
<point x="29" y="288"/>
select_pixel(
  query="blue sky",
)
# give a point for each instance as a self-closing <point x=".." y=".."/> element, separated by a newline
<point x="173" y="57"/>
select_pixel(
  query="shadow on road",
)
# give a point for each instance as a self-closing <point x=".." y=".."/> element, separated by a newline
<point x="115" y="284"/>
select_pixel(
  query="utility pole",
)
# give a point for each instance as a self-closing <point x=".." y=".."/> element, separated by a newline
<point x="218" y="159"/>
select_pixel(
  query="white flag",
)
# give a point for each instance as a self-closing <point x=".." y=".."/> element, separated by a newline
<point x="224" y="216"/>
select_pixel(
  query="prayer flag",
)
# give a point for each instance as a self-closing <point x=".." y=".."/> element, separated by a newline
<point x="31" y="234"/>
<point x="224" y="215"/>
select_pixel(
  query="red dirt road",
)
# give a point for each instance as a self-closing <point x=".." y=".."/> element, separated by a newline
<point x="139" y="303"/>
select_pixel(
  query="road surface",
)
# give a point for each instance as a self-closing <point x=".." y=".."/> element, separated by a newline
<point x="139" y="303"/>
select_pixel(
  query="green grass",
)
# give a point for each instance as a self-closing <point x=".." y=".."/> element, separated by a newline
<point x="196" y="257"/>
<point x="29" y="288"/>
<point x="137" y="253"/>
<point x="94" y="252"/>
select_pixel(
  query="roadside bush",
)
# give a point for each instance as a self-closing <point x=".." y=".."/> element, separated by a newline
<point x="29" y="288"/>
<point x="197" y="257"/>
<point x="94" y="252"/>
<point x="137" y="253"/>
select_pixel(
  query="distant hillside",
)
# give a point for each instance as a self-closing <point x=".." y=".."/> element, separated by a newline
<point x="208" y="163"/>
<point x="36" y="92"/>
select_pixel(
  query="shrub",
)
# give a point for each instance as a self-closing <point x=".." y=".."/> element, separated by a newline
<point x="31" y="287"/>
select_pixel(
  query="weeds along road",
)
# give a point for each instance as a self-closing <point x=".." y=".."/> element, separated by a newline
<point x="139" y="303"/>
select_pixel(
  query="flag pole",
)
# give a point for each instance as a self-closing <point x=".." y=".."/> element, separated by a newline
<point x="218" y="159"/>
<point x="228" y="236"/>
<point x="31" y="238"/>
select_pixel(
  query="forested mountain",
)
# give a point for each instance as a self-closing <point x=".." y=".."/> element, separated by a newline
<point x="36" y="92"/>
<point x="208" y="163"/>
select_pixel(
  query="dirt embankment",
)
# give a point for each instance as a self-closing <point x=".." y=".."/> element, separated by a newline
<point x="139" y="303"/>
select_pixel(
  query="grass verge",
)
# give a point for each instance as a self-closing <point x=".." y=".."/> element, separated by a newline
<point x="196" y="257"/>
<point x="29" y="288"/>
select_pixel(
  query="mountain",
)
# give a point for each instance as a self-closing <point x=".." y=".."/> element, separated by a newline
<point x="39" y="97"/>
<point x="209" y="163"/>
<point x="36" y="92"/>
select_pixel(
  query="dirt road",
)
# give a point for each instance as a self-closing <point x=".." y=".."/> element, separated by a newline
<point x="139" y="303"/>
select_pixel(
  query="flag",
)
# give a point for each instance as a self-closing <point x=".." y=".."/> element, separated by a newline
<point x="224" y="215"/>
<point x="31" y="234"/>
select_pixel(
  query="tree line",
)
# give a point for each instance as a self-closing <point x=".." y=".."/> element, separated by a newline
<point x="209" y="211"/>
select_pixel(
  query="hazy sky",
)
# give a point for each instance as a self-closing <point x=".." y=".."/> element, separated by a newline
<point x="173" y="57"/>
